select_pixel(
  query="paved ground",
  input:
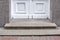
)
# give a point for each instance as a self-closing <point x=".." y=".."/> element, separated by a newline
<point x="29" y="37"/>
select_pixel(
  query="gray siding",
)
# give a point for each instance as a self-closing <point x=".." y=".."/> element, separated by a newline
<point x="56" y="12"/>
<point x="4" y="11"/>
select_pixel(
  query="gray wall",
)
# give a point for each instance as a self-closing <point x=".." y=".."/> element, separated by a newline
<point x="56" y="12"/>
<point x="4" y="11"/>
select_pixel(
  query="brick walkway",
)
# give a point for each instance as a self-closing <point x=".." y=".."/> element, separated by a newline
<point x="29" y="37"/>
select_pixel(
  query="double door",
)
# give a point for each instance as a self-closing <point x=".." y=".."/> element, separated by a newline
<point x="29" y="9"/>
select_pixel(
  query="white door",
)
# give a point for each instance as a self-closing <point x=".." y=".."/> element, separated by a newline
<point x="20" y="8"/>
<point x="39" y="9"/>
<point x="30" y="9"/>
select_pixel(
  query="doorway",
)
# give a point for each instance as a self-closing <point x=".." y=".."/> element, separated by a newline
<point x="34" y="9"/>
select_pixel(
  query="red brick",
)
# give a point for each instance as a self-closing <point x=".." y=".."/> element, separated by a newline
<point x="30" y="38"/>
<point x="57" y="37"/>
<point x="9" y="38"/>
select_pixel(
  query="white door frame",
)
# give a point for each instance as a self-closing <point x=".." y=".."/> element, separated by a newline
<point x="10" y="7"/>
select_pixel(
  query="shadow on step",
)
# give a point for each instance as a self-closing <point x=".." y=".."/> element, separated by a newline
<point x="30" y="27"/>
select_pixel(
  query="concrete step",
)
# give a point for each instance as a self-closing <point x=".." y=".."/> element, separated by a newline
<point x="25" y="23"/>
<point x="27" y="32"/>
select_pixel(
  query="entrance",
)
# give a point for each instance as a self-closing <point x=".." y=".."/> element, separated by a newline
<point x="34" y="9"/>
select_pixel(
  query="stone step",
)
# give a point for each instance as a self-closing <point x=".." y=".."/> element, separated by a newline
<point x="27" y="32"/>
<point x="36" y="23"/>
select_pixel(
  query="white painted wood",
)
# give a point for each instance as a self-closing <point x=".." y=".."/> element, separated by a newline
<point x="30" y="9"/>
<point x="40" y="9"/>
<point x="20" y="8"/>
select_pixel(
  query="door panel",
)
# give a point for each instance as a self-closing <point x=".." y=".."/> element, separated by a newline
<point x="39" y="8"/>
<point x="20" y="9"/>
